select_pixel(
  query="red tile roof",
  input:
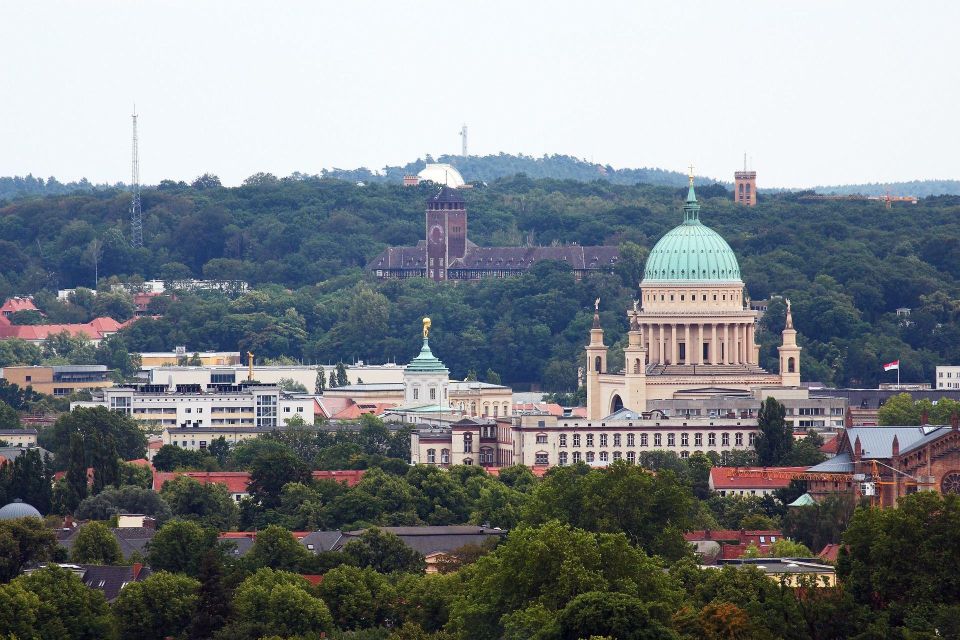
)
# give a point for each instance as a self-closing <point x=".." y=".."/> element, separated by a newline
<point x="237" y="481"/>
<point x="726" y="478"/>
<point x="355" y="410"/>
<point x="538" y="471"/>
<point x="830" y="553"/>
<point x="350" y="477"/>
<point x="96" y="329"/>
<point x="12" y="305"/>
<point x="831" y="446"/>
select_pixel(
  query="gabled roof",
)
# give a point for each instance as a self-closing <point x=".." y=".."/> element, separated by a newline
<point x="15" y="304"/>
<point x="434" y="539"/>
<point x="877" y="442"/>
<point x="840" y="463"/>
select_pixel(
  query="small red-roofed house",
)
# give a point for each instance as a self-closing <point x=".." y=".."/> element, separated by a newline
<point x="830" y="553"/>
<point x="728" y="544"/>
<point x="830" y="447"/>
<point x="15" y="304"/>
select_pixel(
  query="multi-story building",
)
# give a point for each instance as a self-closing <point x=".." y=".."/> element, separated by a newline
<point x="305" y="375"/>
<point x="19" y="437"/>
<point x="544" y="440"/>
<point x="246" y="405"/>
<point x="446" y="253"/>
<point x="948" y="377"/>
<point x="60" y="380"/>
<point x="745" y="187"/>
<point x="151" y="359"/>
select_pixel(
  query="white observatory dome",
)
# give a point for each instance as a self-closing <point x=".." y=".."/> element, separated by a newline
<point x="441" y="174"/>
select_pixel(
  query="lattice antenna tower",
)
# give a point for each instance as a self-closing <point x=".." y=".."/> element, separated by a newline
<point x="463" y="134"/>
<point x="136" y="215"/>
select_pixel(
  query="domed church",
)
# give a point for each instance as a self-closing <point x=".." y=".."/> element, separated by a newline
<point x="692" y="331"/>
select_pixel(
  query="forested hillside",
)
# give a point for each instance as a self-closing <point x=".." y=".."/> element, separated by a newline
<point x="302" y="243"/>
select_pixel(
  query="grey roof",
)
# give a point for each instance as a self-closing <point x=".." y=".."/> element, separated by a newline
<point x="11" y="453"/>
<point x="932" y="434"/>
<point x="80" y="368"/>
<point x="131" y="539"/>
<point x="460" y="385"/>
<point x="624" y="414"/>
<point x="111" y="579"/>
<point x="780" y="565"/>
<point x="18" y="432"/>
<point x="322" y="540"/>
<point x="446" y="194"/>
<point x="874" y="398"/>
<point x="840" y="463"/>
<point x="370" y="386"/>
<point x="877" y="442"/>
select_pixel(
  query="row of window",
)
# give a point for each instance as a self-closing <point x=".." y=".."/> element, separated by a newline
<point x="486" y="456"/>
<point x="645" y="439"/>
<point x="693" y="297"/>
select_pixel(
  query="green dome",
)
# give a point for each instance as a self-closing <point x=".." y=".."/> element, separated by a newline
<point x="692" y="252"/>
<point x="426" y="361"/>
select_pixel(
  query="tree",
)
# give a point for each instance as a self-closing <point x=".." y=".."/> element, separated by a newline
<point x="68" y="608"/>
<point x="115" y="304"/>
<point x="179" y="547"/>
<point x="784" y="548"/>
<point x="9" y="418"/>
<point x="271" y="471"/>
<point x="208" y="504"/>
<point x="213" y="604"/>
<point x="77" y="483"/>
<point x="776" y="436"/>
<point x="23" y="541"/>
<point x="492" y="377"/>
<point x="321" y="384"/>
<point x="358" y="598"/>
<point x="127" y="436"/>
<point x="127" y="499"/>
<point x="291" y="386"/>
<point x="342" y="380"/>
<point x="95" y="544"/>
<point x="18" y="611"/>
<point x="617" y="615"/>
<point x="170" y="457"/>
<point x="159" y="607"/>
<point x="383" y="552"/>
<point x="277" y="603"/>
<point x="276" y="548"/>
<point x="28" y="478"/>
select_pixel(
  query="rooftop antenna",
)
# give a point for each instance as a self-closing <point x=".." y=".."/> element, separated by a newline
<point x="744" y="160"/>
<point x="136" y="215"/>
<point x="463" y="134"/>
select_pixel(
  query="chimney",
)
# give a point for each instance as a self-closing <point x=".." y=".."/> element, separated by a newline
<point x="924" y="418"/>
<point x="895" y="447"/>
<point x="857" y="449"/>
<point x="848" y="419"/>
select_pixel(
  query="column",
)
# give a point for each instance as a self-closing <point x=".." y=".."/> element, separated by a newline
<point x="686" y="344"/>
<point x="714" y="349"/>
<point x="661" y="355"/>
<point x="736" y="343"/>
<point x="697" y="348"/>
<point x="750" y="333"/>
<point x="728" y="352"/>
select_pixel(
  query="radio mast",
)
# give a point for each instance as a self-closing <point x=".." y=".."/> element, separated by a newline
<point x="136" y="215"/>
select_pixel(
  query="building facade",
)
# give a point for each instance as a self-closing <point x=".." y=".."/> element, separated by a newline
<point x="305" y="375"/>
<point x="745" y="187"/>
<point x="159" y="407"/>
<point x="692" y="329"/>
<point x="61" y="380"/>
<point x="948" y="377"/>
<point x="446" y="252"/>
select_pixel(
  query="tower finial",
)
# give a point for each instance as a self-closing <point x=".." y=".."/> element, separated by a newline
<point x="691" y="174"/>
<point x="426" y="328"/>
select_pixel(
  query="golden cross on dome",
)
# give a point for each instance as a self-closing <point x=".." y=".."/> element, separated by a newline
<point x="691" y="175"/>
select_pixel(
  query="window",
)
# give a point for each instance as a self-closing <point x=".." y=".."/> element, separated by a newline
<point x="266" y="411"/>
<point x="541" y="458"/>
<point x="431" y="456"/>
<point x="684" y="439"/>
<point x="753" y="439"/>
<point x="657" y="442"/>
<point x="589" y="439"/>
<point x="604" y="457"/>
<point x="576" y="457"/>
<point x="486" y="455"/>
<point x="631" y="440"/>
<point x="632" y="457"/>
<point x="468" y="443"/>
<point x="589" y="457"/>
<point x="617" y="455"/>
<point x="725" y="440"/>
<point x="433" y="393"/>
<point x="616" y="439"/>
<point x="541" y="438"/>
<point x="444" y="456"/>
<point x="285" y="410"/>
<point x="643" y="440"/>
<point x="684" y="454"/>
<point x="576" y="439"/>
<point x="188" y="410"/>
<point x="496" y="410"/>
<point x="738" y="439"/>
<point x="671" y="440"/>
<point x="698" y="439"/>
<point x="562" y="458"/>
<point x="711" y="439"/>
<point x="563" y="440"/>
<point x="603" y="439"/>
<point x="416" y="393"/>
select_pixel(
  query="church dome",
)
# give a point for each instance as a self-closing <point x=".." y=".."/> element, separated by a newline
<point x="18" y="509"/>
<point x="441" y="173"/>
<point x="692" y="252"/>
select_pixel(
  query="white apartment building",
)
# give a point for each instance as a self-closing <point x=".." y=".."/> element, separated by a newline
<point x="271" y="374"/>
<point x="948" y="377"/>
<point x="158" y="407"/>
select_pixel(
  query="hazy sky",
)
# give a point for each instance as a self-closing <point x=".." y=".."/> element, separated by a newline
<point x="815" y="92"/>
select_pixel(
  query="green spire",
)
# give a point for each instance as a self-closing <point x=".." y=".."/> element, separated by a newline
<point x="691" y="209"/>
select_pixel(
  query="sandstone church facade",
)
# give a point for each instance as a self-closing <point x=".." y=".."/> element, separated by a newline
<point x="692" y="332"/>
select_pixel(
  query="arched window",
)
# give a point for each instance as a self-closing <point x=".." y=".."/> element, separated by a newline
<point x="791" y="365"/>
<point x="444" y="456"/>
<point x="496" y="410"/>
<point x="468" y="443"/>
<point x="637" y="365"/>
<point x="473" y="408"/>
<point x="596" y="364"/>
<point x="431" y="456"/>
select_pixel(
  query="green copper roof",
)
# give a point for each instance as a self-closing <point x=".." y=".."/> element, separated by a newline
<point x="692" y="252"/>
<point x="426" y="361"/>
<point x="806" y="500"/>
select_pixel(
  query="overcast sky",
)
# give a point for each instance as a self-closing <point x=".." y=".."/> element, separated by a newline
<point x="814" y="92"/>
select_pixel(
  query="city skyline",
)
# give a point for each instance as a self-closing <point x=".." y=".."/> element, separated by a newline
<point x="815" y="94"/>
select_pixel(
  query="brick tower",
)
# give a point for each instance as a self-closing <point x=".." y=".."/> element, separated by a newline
<point x="446" y="231"/>
<point x="745" y="187"/>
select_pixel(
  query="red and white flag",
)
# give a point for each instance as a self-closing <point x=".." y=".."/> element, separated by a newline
<point x="890" y="366"/>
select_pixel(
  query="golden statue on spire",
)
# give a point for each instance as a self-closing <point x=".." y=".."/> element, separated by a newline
<point x="426" y="328"/>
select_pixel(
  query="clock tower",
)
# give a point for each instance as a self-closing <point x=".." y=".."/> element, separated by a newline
<point x="446" y="231"/>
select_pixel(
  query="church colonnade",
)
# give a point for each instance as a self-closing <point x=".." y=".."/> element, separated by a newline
<point x="719" y="342"/>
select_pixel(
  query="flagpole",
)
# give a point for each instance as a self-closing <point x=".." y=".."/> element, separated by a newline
<point x="898" y="374"/>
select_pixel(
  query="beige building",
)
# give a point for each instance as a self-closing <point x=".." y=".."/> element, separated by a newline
<point x="692" y="329"/>
<point x="172" y="358"/>
<point x="305" y="375"/>
<point x="19" y="437"/>
<point x="59" y="380"/>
